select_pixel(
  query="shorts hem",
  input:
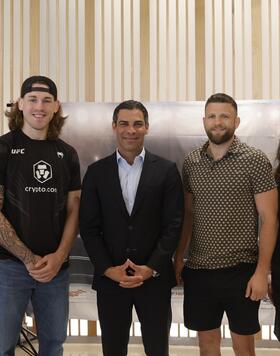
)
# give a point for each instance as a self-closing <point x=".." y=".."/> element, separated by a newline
<point x="251" y="332"/>
<point x="196" y="328"/>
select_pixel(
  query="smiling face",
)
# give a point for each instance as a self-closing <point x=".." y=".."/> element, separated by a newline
<point x="38" y="109"/>
<point x="130" y="130"/>
<point x="220" y="122"/>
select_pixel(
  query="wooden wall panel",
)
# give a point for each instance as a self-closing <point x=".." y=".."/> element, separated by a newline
<point x="152" y="50"/>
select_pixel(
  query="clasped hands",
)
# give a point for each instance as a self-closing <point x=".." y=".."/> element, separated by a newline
<point x="129" y="275"/>
<point x="44" y="269"/>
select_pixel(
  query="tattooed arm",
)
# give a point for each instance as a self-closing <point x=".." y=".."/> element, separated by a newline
<point x="11" y="242"/>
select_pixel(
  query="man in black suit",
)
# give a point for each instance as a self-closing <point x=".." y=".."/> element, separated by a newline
<point x="130" y="221"/>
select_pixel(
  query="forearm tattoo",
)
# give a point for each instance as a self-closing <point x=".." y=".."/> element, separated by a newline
<point x="9" y="239"/>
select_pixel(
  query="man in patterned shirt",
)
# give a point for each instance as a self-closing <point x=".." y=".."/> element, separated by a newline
<point x="229" y="188"/>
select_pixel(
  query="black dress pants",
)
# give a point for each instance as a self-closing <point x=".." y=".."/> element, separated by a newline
<point x="152" y="302"/>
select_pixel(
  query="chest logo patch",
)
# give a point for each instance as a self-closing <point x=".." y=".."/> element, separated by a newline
<point x="42" y="171"/>
<point x="17" y="151"/>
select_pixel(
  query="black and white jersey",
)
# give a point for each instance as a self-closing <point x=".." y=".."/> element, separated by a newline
<point x="37" y="176"/>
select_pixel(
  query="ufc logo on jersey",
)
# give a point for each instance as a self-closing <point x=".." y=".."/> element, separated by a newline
<point x="17" y="151"/>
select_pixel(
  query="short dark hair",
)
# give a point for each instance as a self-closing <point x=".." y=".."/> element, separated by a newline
<point x="221" y="98"/>
<point x="130" y="105"/>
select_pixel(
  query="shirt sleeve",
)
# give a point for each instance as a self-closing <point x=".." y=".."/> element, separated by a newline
<point x="262" y="178"/>
<point x="185" y="175"/>
<point x="75" y="183"/>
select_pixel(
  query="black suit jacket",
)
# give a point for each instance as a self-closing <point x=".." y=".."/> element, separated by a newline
<point x="150" y="234"/>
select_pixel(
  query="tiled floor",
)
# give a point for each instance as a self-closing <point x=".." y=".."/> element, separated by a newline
<point x="137" y="350"/>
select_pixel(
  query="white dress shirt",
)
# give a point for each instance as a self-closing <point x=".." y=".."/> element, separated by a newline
<point x="129" y="178"/>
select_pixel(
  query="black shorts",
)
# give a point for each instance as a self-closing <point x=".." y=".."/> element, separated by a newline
<point x="210" y="293"/>
<point x="276" y="297"/>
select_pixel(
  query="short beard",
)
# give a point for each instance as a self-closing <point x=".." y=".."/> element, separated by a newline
<point x="227" y="136"/>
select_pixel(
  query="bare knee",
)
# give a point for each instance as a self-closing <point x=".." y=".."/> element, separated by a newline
<point x="243" y="345"/>
<point x="210" y="342"/>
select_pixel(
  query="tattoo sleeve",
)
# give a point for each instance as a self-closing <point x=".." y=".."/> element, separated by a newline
<point x="9" y="239"/>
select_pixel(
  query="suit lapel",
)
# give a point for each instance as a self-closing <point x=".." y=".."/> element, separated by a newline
<point x="146" y="175"/>
<point x="115" y="188"/>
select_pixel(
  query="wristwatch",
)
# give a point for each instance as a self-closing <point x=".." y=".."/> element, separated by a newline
<point x="155" y="274"/>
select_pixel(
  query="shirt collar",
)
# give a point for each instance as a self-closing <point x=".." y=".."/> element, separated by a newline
<point x="233" y="148"/>
<point x="140" y="157"/>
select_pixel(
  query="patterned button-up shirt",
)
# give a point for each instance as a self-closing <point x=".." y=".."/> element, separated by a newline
<point x="225" y="220"/>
